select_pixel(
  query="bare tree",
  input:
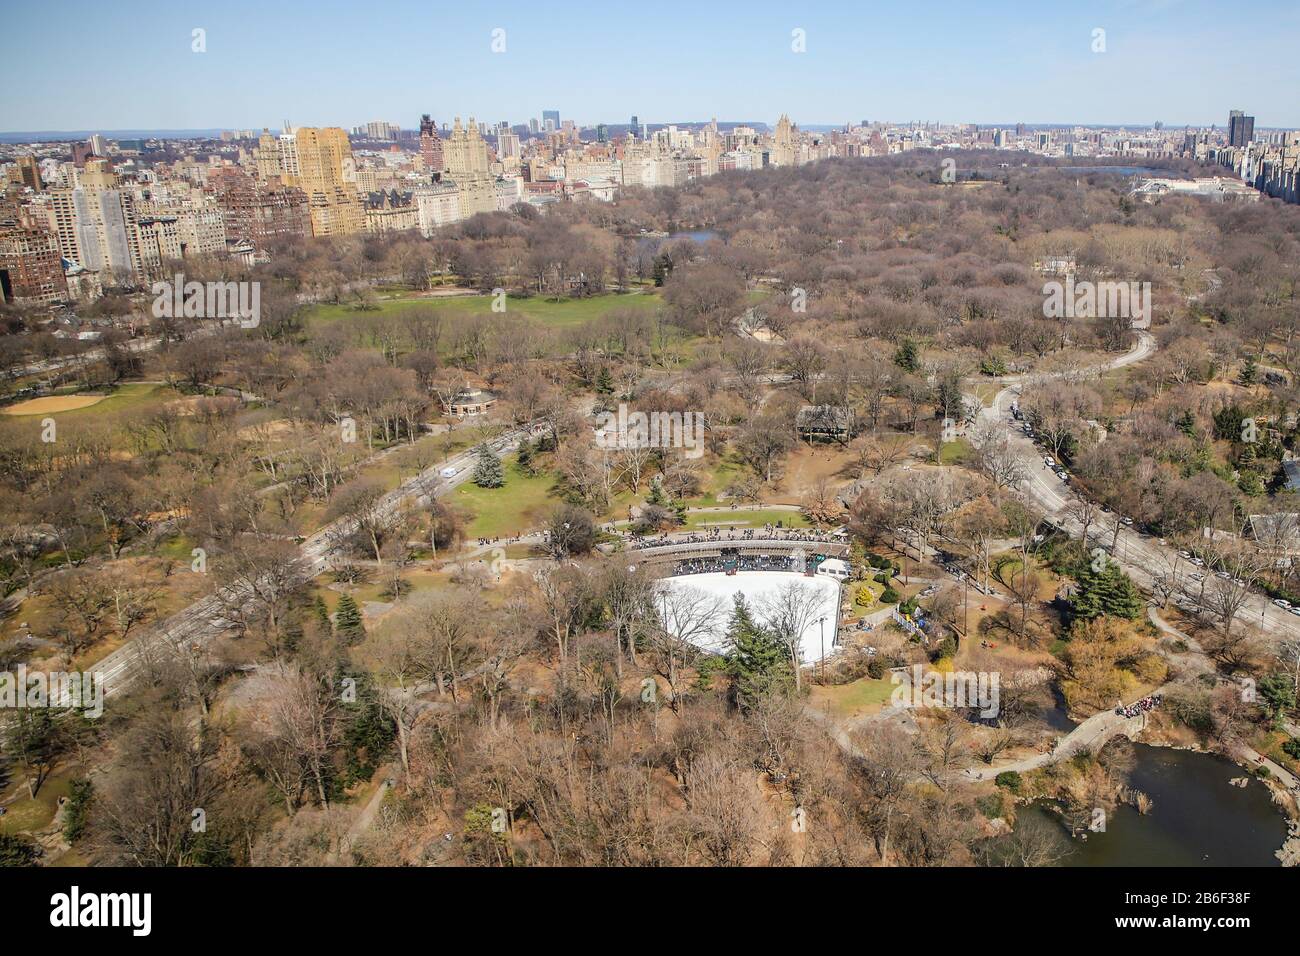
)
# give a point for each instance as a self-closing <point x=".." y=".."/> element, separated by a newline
<point x="788" y="613"/>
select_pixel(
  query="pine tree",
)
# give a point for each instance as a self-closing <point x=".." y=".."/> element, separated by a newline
<point x="758" y="663"/>
<point x="604" y="381"/>
<point x="657" y="495"/>
<point x="488" y="472"/>
<point x="907" y="356"/>
<point x="1109" y="591"/>
<point x="322" y="613"/>
<point x="1249" y="370"/>
<point x="525" y="457"/>
<point x="347" y="621"/>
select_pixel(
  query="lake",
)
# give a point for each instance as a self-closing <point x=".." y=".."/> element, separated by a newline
<point x="1197" y="818"/>
<point x="697" y="235"/>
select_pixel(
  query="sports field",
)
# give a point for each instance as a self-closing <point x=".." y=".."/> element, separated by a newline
<point x="53" y="403"/>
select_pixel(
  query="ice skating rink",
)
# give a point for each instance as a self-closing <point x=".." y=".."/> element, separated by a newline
<point x="759" y="588"/>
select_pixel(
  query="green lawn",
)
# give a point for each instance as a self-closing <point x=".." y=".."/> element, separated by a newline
<point x="127" y="396"/>
<point x="745" y="518"/>
<point x="520" y="505"/>
<point x="554" y="313"/>
<point x="848" y="700"/>
<point x="25" y="814"/>
<point x="714" y="482"/>
<point x="957" y="452"/>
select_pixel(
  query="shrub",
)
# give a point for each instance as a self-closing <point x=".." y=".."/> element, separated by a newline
<point x="74" y="812"/>
<point x="1008" y="780"/>
<point x="889" y="596"/>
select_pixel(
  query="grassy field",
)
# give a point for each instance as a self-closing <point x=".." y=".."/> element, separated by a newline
<point x="714" y="482"/>
<point x="851" y="700"/>
<point x="129" y="396"/>
<point x="521" y="504"/>
<point x="957" y="452"/>
<point x="553" y="313"/>
<point x="745" y="518"/>
<point x="25" y="814"/>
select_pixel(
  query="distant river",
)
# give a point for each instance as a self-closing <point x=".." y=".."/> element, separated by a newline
<point x="1197" y="818"/>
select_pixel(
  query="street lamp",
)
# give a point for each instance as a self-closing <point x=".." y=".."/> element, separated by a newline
<point x="821" y="629"/>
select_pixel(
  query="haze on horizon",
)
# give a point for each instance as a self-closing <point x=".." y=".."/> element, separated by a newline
<point x="1183" y="62"/>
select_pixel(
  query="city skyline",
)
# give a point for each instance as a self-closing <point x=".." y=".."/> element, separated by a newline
<point x="1182" y="63"/>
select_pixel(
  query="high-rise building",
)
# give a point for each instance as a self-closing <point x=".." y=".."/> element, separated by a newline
<point x="550" y="120"/>
<point x="255" y="210"/>
<point x="378" y="129"/>
<point x="327" y="174"/>
<point x="27" y="172"/>
<point x="430" y="145"/>
<point x="31" y="270"/>
<point x="466" y="163"/>
<point x="1241" y="129"/>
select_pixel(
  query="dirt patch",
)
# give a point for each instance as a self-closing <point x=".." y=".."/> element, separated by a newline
<point x="54" y="403"/>
<point x="806" y="466"/>
<point x="276" y="428"/>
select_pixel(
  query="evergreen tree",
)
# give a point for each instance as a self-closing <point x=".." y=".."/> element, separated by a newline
<point x="907" y="356"/>
<point x="1187" y="423"/>
<point x="758" y="663"/>
<point x="17" y="850"/>
<point x="657" y="495"/>
<point x="604" y="381"/>
<point x="488" y="472"/>
<point x="347" y="621"/>
<point x="1108" y="591"/>
<point x="525" y="458"/>
<point x="322" y="614"/>
<point x="1249" y="371"/>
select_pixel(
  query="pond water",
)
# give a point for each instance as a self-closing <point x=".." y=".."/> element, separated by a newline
<point x="696" y="235"/>
<point x="1197" y="817"/>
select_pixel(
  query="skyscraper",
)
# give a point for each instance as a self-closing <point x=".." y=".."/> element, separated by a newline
<point x="550" y="119"/>
<point x="29" y="172"/>
<point x="430" y="145"/>
<point x="1241" y="129"/>
<point x="327" y="174"/>
<point x="468" y="166"/>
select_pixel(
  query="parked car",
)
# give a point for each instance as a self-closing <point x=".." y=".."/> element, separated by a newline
<point x="1284" y="605"/>
<point x="1063" y="475"/>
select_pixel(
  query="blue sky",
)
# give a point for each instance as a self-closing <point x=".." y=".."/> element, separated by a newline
<point x="74" y="64"/>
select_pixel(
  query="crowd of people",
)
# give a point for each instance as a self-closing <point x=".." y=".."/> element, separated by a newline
<point x="744" y="562"/>
<point x="715" y="535"/>
<point x="1138" y="708"/>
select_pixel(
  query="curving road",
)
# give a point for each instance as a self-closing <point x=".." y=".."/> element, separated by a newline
<point x="202" y="621"/>
<point x="1142" y="556"/>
